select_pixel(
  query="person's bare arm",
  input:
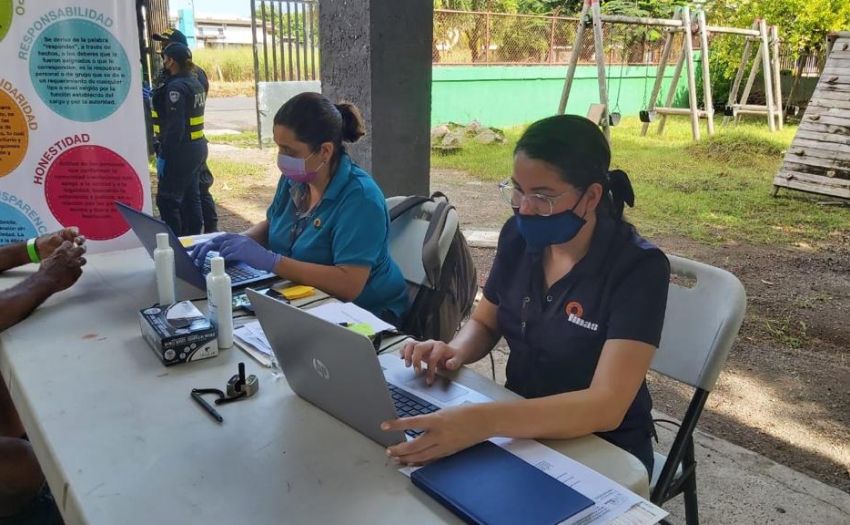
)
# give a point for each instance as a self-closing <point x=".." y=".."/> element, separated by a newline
<point x="57" y="272"/>
<point x="342" y="282"/>
<point x="259" y="232"/>
<point x="619" y="374"/>
<point x="13" y="255"/>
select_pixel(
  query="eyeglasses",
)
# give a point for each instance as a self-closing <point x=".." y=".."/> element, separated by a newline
<point x="542" y="205"/>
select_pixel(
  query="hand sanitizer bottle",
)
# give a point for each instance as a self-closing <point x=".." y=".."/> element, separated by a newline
<point x="163" y="257"/>
<point x="219" y="302"/>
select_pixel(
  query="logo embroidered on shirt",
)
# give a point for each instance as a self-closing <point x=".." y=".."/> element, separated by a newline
<point x="582" y="323"/>
<point x="174" y="96"/>
<point x="574" y="308"/>
<point x="574" y="312"/>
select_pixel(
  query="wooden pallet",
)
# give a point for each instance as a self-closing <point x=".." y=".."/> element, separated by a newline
<point x="818" y="160"/>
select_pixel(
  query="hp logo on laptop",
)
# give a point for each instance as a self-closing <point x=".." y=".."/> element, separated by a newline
<point x="321" y="369"/>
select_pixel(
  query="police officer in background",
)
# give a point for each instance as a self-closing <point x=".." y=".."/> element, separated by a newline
<point x="205" y="177"/>
<point x="181" y="147"/>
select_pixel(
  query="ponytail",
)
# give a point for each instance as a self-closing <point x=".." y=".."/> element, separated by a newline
<point x="620" y="192"/>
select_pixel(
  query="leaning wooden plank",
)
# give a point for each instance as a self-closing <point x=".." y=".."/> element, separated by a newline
<point x="835" y="164"/>
<point x="830" y="80"/>
<point x="811" y="187"/>
<point x="826" y="119"/>
<point x="827" y="168"/>
<point x="822" y="153"/>
<point x="810" y="125"/>
<point x="804" y="143"/>
<point x="838" y="104"/>
<point x="820" y="137"/>
<point x="833" y="92"/>
<point x="807" y="177"/>
<point x="837" y="61"/>
<point x="831" y="95"/>
<point x="839" y="79"/>
<point x="824" y="108"/>
<point x="796" y="165"/>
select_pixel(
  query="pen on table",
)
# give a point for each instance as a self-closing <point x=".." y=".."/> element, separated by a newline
<point x="206" y="406"/>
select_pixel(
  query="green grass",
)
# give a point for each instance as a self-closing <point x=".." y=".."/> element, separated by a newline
<point x="716" y="191"/>
<point x="246" y="139"/>
<point x="236" y="64"/>
<point x="238" y="179"/>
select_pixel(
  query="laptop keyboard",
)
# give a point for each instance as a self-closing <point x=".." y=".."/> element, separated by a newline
<point x="237" y="275"/>
<point x="407" y="405"/>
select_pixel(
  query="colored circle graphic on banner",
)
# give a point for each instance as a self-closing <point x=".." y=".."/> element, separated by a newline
<point x="14" y="135"/>
<point x="81" y="188"/>
<point x="80" y="70"/>
<point x="14" y="224"/>
<point x="6" y="13"/>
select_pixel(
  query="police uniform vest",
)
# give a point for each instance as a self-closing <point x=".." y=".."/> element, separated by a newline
<point x="185" y="90"/>
<point x="159" y="98"/>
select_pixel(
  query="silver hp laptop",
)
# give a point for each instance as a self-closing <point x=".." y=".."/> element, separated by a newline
<point x="338" y="371"/>
<point x="146" y="227"/>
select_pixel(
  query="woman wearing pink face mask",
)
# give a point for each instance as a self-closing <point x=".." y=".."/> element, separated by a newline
<point x="328" y="226"/>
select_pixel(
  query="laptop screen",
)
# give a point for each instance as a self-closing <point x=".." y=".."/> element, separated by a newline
<point x="146" y="228"/>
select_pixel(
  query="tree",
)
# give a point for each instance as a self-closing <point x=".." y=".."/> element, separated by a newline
<point x="802" y="24"/>
<point x="474" y="29"/>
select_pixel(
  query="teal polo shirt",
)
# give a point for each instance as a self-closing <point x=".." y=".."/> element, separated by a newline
<point x="349" y="227"/>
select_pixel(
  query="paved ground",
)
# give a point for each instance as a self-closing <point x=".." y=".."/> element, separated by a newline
<point x="234" y="114"/>
<point x="735" y="485"/>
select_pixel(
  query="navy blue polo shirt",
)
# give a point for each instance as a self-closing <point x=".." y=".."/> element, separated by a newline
<point x="617" y="291"/>
<point x="349" y="227"/>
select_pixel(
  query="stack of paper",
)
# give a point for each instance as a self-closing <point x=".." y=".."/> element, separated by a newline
<point x="349" y="314"/>
<point x="253" y="341"/>
<point x="250" y="338"/>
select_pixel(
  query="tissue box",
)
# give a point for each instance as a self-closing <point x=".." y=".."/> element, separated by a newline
<point x="178" y="333"/>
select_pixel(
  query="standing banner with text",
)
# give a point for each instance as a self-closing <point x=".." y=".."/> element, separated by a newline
<point x="72" y="132"/>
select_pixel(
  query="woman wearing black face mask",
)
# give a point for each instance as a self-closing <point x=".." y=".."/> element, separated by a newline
<point x="577" y="294"/>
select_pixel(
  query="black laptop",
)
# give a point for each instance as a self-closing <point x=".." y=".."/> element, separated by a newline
<point x="146" y="227"/>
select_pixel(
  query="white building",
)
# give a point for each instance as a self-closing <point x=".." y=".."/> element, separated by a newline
<point x="215" y="31"/>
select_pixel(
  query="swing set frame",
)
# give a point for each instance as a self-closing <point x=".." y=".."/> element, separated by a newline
<point x="687" y="25"/>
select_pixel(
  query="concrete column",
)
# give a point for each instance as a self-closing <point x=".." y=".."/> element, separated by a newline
<point x="377" y="55"/>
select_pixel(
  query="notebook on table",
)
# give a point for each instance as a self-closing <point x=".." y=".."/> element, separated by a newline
<point x="486" y="484"/>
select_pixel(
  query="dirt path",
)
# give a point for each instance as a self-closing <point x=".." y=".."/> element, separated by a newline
<point x="785" y="392"/>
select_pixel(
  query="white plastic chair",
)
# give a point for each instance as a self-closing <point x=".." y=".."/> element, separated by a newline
<point x="700" y="327"/>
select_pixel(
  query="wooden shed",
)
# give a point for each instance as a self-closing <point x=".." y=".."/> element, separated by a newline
<point x="818" y="160"/>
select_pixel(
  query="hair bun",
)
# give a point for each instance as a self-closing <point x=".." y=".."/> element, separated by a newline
<point x="353" y="127"/>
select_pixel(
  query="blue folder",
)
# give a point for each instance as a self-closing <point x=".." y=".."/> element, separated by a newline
<point x="488" y="485"/>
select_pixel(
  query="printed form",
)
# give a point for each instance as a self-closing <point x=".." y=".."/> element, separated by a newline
<point x="615" y="504"/>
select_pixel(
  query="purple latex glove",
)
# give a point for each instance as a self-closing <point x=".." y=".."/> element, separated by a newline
<point x="236" y="247"/>
<point x="199" y="252"/>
